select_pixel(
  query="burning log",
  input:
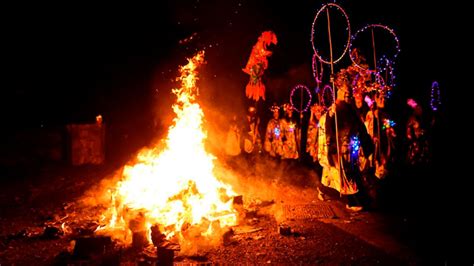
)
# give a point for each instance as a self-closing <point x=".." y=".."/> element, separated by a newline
<point x="165" y="254"/>
<point x="238" y="204"/>
<point x="138" y="228"/>
<point x="156" y="236"/>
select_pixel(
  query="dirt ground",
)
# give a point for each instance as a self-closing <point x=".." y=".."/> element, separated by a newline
<point x="285" y="225"/>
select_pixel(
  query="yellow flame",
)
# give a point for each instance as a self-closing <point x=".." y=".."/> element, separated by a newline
<point x="173" y="187"/>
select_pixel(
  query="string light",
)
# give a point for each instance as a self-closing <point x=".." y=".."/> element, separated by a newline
<point x="299" y="86"/>
<point x="348" y="29"/>
<point x="372" y="26"/>
<point x="387" y="123"/>
<point x="277" y="132"/>
<point x="318" y="77"/>
<point x="386" y="65"/>
<point x="435" y="99"/>
<point x="355" y="144"/>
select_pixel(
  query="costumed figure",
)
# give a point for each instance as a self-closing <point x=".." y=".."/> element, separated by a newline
<point x="313" y="129"/>
<point x="380" y="128"/>
<point x="257" y="64"/>
<point x="252" y="141"/>
<point x="273" y="138"/>
<point x="344" y="143"/>
<point x="291" y="134"/>
<point x="232" y="145"/>
<point x="417" y="135"/>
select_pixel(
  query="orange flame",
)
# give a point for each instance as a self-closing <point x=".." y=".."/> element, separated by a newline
<point x="173" y="187"/>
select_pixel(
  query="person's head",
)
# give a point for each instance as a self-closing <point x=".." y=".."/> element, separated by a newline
<point x="343" y="93"/>
<point x="317" y="110"/>
<point x="358" y="99"/>
<point x="275" y="110"/>
<point x="343" y="88"/>
<point x="288" y="109"/>
<point x="252" y="111"/>
<point x="380" y="99"/>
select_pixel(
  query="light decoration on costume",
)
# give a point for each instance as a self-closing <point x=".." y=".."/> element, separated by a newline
<point x="412" y="103"/>
<point x="348" y="29"/>
<point x="277" y="132"/>
<point x="387" y="123"/>
<point x="355" y="145"/>
<point x="185" y="205"/>
<point x="373" y="26"/>
<point x="369" y="101"/>
<point x="301" y="87"/>
<point x="435" y="97"/>
<point x="291" y="127"/>
<point x="328" y="96"/>
<point x="318" y="76"/>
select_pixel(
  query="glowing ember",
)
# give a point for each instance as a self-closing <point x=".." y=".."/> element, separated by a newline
<point x="173" y="187"/>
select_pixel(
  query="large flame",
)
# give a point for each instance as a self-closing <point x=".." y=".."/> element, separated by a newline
<point x="173" y="186"/>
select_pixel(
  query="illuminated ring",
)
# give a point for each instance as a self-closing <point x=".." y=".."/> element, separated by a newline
<point x="397" y="47"/>
<point x="325" y="95"/>
<point x="318" y="77"/>
<point x="435" y="99"/>
<point x="387" y="65"/>
<point x="346" y="46"/>
<point x="299" y="86"/>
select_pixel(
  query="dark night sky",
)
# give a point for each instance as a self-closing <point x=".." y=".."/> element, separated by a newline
<point x="69" y="62"/>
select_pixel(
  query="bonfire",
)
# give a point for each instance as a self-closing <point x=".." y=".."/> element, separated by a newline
<point x="169" y="193"/>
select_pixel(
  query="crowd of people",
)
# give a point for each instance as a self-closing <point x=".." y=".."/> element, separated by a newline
<point x="351" y="142"/>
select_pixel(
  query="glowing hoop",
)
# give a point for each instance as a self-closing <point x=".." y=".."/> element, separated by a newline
<point x="435" y="99"/>
<point x="397" y="47"/>
<point x="318" y="77"/>
<point x="299" y="86"/>
<point x="346" y="46"/>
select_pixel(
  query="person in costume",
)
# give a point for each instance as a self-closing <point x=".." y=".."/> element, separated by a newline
<point x="273" y="137"/>
<point x="313" y="128"/>
<point x="344" y="140"/>
<point x="252" y="143"/>
<point x="380" y="128"/>
<point x="232" y="145"/>
<point x="417" y="136"/>
<point x="291" y="134"/>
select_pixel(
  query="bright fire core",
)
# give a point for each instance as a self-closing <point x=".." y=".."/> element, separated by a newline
<point x="173" y="186"/>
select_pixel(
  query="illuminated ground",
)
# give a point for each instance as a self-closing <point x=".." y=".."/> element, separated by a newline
<point x="321" y="232"/>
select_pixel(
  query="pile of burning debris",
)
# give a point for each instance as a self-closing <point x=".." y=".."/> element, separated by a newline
<point x="82" y="245"/>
